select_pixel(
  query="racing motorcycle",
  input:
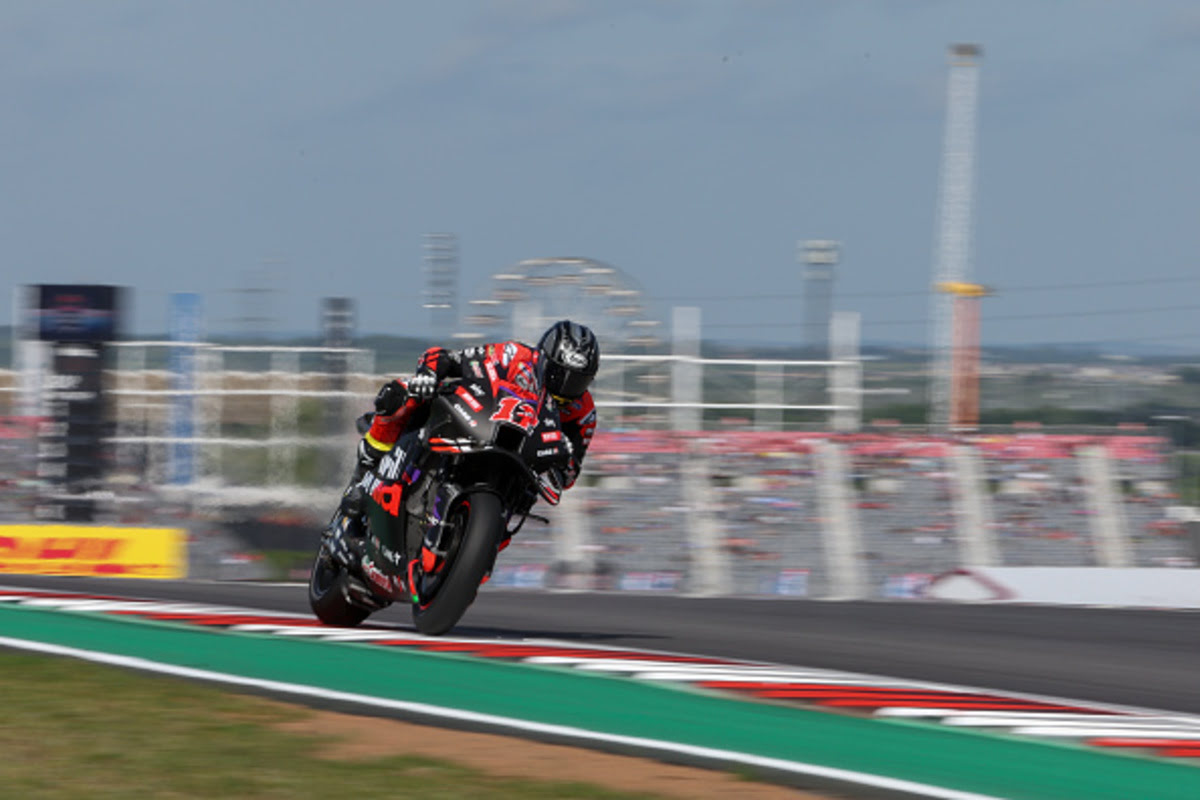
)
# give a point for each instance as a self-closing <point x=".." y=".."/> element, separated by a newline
<point x="431" y="518"/>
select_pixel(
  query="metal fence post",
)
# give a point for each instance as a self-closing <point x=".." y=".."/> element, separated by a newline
<point x="709" y="572"/>
<point x="842" y="537"/>
<point x="572" y="537"/>
<point x="687" y="382"/>
<point x="972" y="510"/>
<point x="846" y="381"/>
<point x="285" y="417"/>
<point x="768" y="392"/>
<point x="212" y="408"/>
<point x="1109" y="540"/>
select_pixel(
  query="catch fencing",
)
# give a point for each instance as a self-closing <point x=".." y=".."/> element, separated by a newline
<point x="248" y="425"/>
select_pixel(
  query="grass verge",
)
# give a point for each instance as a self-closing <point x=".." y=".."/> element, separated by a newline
<point x="73" y="729"/>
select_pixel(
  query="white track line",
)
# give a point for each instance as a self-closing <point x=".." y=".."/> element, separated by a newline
<point x="706" y="753"/>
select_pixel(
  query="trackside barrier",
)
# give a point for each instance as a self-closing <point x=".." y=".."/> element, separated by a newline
<point x="1131" y="587"/>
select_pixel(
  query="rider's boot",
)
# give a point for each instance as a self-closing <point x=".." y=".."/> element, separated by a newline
<point x="346" y="532"/>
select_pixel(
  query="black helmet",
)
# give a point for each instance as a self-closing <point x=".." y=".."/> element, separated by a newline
<point x="572" y="357"/>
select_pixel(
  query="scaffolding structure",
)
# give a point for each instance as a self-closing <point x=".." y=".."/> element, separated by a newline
<point x="441" y="283"/>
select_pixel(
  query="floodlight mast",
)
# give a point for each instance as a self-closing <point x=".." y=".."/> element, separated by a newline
<point x="820" y="259"/>
<point x="953" y="237"/>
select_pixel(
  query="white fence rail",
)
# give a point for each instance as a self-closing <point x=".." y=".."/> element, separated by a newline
<point x="285" y="429"/>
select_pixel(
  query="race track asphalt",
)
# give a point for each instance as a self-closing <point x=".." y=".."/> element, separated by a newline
<point x="1144" y="658"/>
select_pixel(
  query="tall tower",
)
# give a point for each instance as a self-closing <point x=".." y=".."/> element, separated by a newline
<point x="952" y="263"/>
<point x="819" y="257"/>
<point x="441" y="284"/>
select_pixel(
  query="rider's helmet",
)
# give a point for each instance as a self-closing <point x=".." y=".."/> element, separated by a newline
<point x="572" y="357"/>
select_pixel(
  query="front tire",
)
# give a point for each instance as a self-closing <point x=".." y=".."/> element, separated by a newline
<point x="327" y="593"/>
<point x="481" y="517"/>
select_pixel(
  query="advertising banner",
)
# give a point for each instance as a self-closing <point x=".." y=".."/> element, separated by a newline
<point x="93" y="551"/>
<point x="185" y="319"/>
<point x="77" y="313"/>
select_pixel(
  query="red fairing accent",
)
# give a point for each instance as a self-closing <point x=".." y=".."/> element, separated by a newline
<point x="466" y="397"/>
<point x="428" y="560"/>
<point x="506" y="355"/>
<point x="388" y="498"/>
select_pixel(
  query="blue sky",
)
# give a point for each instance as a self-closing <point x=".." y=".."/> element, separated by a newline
<point x="174" y="146"/>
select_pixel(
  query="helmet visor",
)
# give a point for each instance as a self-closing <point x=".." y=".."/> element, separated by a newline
<point x="563" y="382"/>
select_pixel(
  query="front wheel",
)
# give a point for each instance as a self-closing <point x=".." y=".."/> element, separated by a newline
<point x="327" y="593"/>
<point x="476" y="524"/>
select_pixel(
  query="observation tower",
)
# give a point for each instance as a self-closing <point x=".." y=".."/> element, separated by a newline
<point x="952" y="264"/>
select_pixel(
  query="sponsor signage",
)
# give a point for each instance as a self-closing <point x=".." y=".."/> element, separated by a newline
<point x="78" y="320"/>
<point x="792" y="582"/>
<point x="520" y="576"/>
<point x="906" y="586"/>
<point x="85" y="550"/>
<point x="76" y="312"/>
<point x="650" y="581"/>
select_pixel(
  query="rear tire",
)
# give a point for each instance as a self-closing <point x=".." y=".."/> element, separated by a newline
<point x="327" y="594"/>
<point x="476" y="553"/>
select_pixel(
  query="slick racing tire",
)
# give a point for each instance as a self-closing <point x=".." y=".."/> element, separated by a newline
<point x="327" y="593"/>
<point x="477" y="522"/>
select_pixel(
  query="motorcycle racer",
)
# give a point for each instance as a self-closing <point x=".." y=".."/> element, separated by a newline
<point x="564" y="362"/>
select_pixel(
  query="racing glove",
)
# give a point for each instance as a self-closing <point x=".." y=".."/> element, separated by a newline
<point x="423" y="385"/>
<point x="573" y="466"/>
<point x="551" y="482"/>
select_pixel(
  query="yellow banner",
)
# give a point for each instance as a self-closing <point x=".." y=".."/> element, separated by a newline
<point x="93" y="551"/>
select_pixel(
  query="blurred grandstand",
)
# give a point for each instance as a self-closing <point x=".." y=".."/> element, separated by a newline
<point x="730" y="510"/>
<point x="765" y="498"/>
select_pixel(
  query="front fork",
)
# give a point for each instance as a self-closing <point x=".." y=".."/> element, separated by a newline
<point x="435" y="543"/>
<point x="439" y="538"/>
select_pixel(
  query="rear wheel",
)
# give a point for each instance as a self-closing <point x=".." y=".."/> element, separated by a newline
<point x="327" y="593"/>
<point x="476" y="523"/>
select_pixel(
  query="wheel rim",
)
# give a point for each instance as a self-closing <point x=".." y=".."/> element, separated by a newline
<point x="428" y="585"/>
<point x="324" y="574"/>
